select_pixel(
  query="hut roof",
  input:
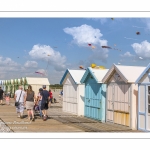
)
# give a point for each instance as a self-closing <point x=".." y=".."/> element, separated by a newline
<point x="37" y="81"/>
<point x="97" y="74"/>
<point x="143" y="73"/>
<point x="75" y="74"/>
<point x="128" y="73"/>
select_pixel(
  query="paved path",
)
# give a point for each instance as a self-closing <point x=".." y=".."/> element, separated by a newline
<point x="58" y="121"/>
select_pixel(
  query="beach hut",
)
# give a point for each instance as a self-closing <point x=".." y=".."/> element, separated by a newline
<point x="143" y="82"/>
<point x="12" y="90"/>
<point x="73" y="92"/>
<point x="36" y="83"/>
<point x="95" y="93"/>
<point x="122" y="95"/>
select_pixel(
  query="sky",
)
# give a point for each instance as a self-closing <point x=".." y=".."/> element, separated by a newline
<point x="52" y="45"/>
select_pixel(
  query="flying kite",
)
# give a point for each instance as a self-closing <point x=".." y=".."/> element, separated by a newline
<point x="119" y="63"/>
<point x="130" y="38"/>
<point x="138" y="33"/>
<point x="112" y="18"/>
<point x="89" y="44"/>
<point x="81" y="67"/>
<point x="110" y="48"/>
<point x="93" y="47"/>
<point x="41" y="72"/>
<point x="97" y="67"/>
<point x="48" y="55"/>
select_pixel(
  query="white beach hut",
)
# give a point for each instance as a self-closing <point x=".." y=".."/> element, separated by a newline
<point x="36" y="83"/>
<point x="143" y="82"/>
<point x="122" y="94"/>
<point x="73" y="92"/>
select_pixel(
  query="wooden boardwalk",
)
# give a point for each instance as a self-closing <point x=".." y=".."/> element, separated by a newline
<point x="58" y="121"/>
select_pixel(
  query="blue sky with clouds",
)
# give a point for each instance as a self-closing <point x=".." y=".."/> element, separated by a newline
<point x="55" y="44"/>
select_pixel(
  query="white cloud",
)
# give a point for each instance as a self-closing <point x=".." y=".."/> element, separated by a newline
<point x="84" y="35"/>
<point x="127" y="54"/>
<point x="142" y="49"/>
<point x="31" y="64"/>
<point x="46" y="53"/>
<point x="7" y="61"/>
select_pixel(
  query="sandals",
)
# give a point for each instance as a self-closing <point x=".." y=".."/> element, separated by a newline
<point x="33" y="119"/>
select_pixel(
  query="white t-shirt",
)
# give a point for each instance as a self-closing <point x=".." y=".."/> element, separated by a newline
<point x="17" y="93"/>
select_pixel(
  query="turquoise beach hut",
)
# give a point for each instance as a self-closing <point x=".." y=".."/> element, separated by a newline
<point x="95" y="93"/>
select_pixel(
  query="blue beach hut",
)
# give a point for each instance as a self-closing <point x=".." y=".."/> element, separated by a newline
<point x="95" y="93"/>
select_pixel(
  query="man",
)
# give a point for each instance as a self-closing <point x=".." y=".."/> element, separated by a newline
<point x="44" y="103"/>
<point x="1" y="95"/>
<point x="20" y="96"/>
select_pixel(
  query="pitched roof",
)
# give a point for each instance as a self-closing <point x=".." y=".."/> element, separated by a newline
<point x="37" y="81"/>
<point x="75" y="74"/>
<point x="97" y="74"/>
<point x="128" y="73"/>
<point x="142" y="74"/>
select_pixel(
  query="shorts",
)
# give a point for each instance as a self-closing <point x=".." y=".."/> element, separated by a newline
<point x="44" y="105"/>
<point x="1" y="98"/>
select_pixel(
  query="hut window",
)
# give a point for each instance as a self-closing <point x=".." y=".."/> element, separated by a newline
<point x="148" y="89"/>
<point x="149" y="99"/>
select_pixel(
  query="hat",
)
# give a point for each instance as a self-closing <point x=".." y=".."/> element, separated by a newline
<point x="44" y="86"/>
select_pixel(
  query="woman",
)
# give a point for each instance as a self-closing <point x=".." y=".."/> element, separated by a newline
<point x="30" y="101"/>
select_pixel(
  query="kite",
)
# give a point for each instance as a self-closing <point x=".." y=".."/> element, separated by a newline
<point x="140" y="57"/>
<point x="130" y="38"/>
<point x="137" y="27"/>
<point x="97" y="67"/>
<point x="55" y="46"/>
<point x="119" y="63"/>
<point x="93" y="65"/>
<point x="81" y="67"/>
<point x="110" y="47"/>
<point x="48" y="55"/>
<point x="93" y="47"/>
<point x="41" y="72"/>
<point x="138" y="33"/>
<point x="89" y="44"/>
<point x="112" y="18"/>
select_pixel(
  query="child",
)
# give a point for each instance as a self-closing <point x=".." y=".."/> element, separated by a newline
<point x="7" y="98"/>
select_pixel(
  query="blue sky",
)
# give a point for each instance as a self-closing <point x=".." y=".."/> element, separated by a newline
<point x="55" y="44"/>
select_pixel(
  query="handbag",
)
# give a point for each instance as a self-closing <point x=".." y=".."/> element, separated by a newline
<point x="17" y="103"/>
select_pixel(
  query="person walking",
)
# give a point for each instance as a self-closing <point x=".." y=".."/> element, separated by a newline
<point x="29" y="102"/>
<point x="7" y="98"/>
<point x="1" y="95"/>
<point x="20" y="97"/>
<point x="39" y="98"/>
<point x="44" y="103"/>
<point x="51" y="97"/>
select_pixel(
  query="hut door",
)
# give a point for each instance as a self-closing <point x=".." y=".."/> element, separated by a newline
<point x="122" y="104"/>
<point x="148" y="108"/>
<point x="93" y="101"/>
<point x="110" y="103"/>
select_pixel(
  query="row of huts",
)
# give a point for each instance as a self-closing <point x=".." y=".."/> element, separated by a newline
<point x="119" y="95"/>
<point x="10" y="86"/>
